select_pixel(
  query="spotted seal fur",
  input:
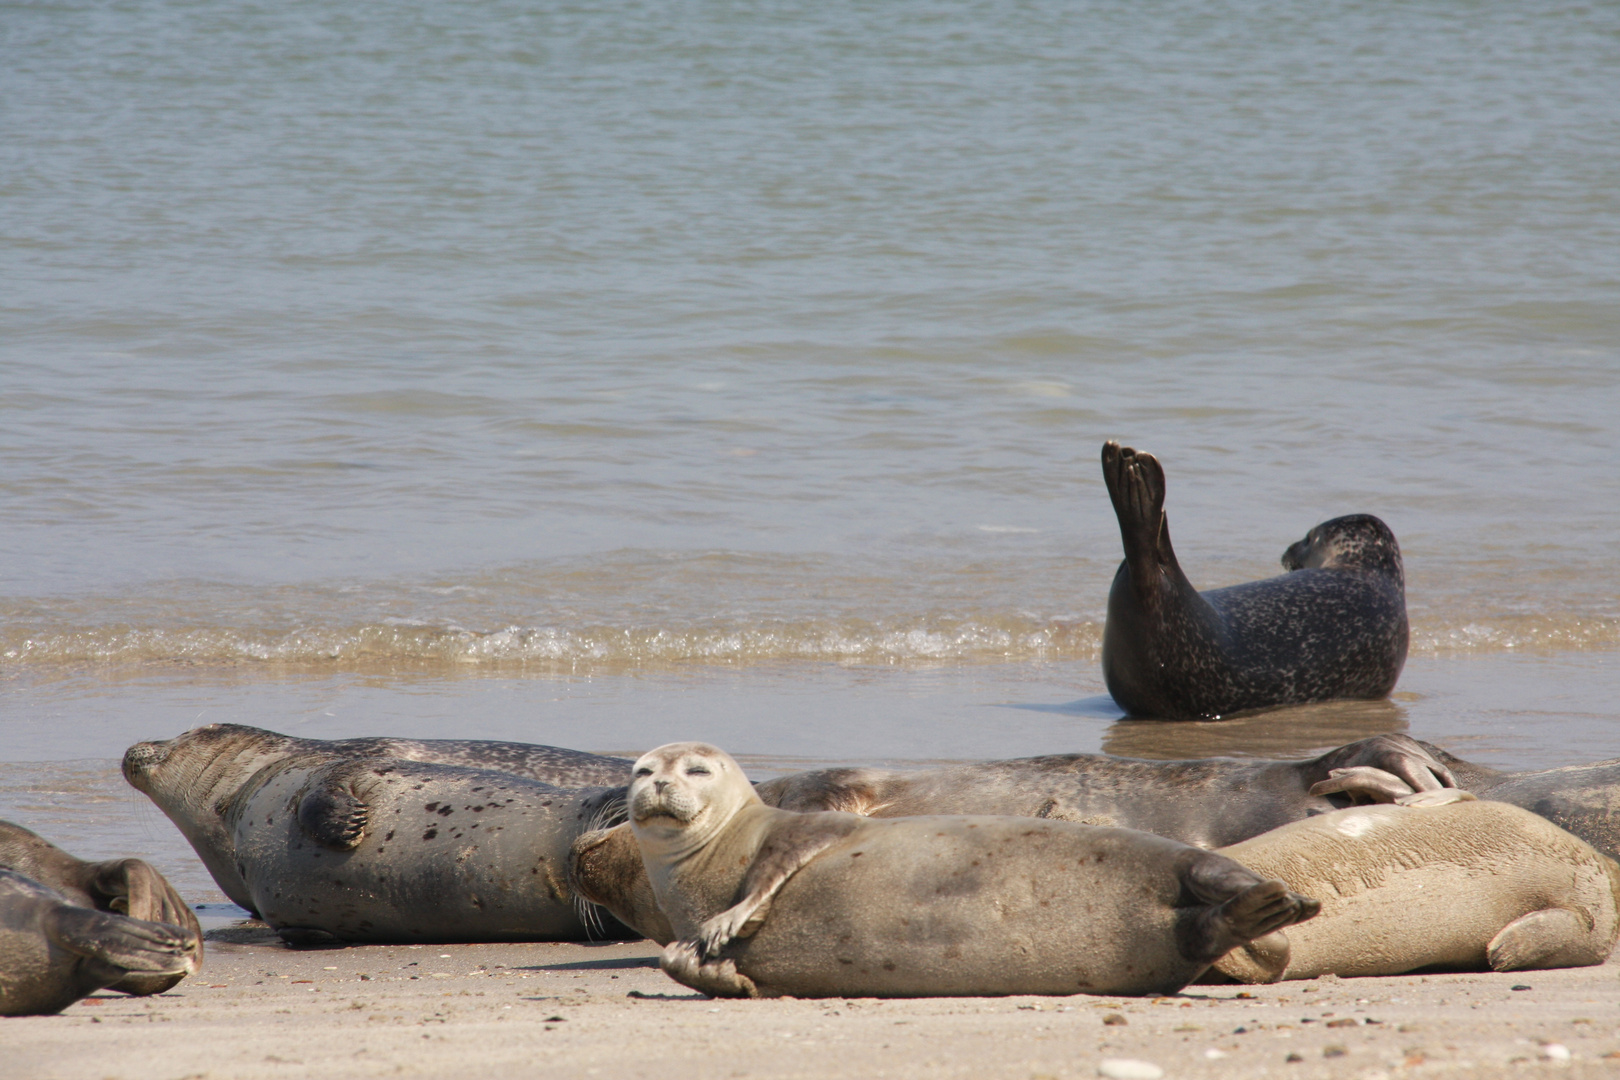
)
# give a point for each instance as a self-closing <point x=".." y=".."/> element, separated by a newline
<point x="1334" y="626"/>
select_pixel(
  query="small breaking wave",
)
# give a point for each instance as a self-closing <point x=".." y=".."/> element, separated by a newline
<point x="570" y="648"/>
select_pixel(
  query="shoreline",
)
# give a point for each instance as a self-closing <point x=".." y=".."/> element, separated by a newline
<point x="260" y="1009"/>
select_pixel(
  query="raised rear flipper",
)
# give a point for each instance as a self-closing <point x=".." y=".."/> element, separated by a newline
<point x="1136" y="487"/>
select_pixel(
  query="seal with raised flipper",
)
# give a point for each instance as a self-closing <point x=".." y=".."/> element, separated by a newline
<point x="768" y="902"/>
<point x="54" y="952"/>
<point x="1334" y="626"/>
<point x="121" y="886"/>
<point x="328" y="847"/>
<point x="1433" y="880"/>
<point x="192" y="776"/>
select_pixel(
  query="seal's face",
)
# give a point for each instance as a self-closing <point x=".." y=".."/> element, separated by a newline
<point x="684" y="793"/>
<point x="193" y="771"/>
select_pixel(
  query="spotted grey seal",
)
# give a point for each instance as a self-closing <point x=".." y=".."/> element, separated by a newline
<point x="1207" y="802"/>
<point x="325" y="846"/>
<point x="53" y="951"/>
<point x="1333" y="627"/>
<point x="122" y="886"/>
<point x="191" y="775"/>
<point x="765" y="901"/>
<point x="1437" y="879"/>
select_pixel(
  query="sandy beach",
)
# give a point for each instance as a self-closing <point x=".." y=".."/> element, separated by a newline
<point x="259" y="1009"/>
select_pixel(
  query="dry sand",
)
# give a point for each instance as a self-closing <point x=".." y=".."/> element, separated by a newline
<point x="258" y="1009"/>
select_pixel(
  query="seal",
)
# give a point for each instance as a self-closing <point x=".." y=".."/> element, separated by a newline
<point x="121" y="886"/>
<point x="768" y="902"/>
<point x="1207" y="803"/>
<point x="1437" y="879"/>
<point x="54" y="952"/>
<point x="326" y="847"/>
<point x="190" y="775"/>
<point x="1333" y="627"/>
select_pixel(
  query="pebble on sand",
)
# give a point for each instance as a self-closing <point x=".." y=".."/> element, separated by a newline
<point x="1128" y="1069"/>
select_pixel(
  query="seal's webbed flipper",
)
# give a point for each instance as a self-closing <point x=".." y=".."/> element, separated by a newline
<point x="115" y="944"/>
<point x="1136" y="488"/>
<point x="1363" y="784"/>
<point x="1549" y="938"/>
<point x="331" y="814"/>
<point x="790" y="846"/>
<point x="1401" y="756"/>
<point x="717" y="978"/>
<point x="1236" y="908"/>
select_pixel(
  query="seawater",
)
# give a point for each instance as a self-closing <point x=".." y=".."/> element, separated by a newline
<point x="602" y="375"/>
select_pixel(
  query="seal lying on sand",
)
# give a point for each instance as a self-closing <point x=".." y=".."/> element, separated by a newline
<point x="1437" y="880"/>
<point x="766" y="901"/>
<point x="192" y="775"/>
<point x="324" y="846"/>
<point x="1334" y="627"/>
<point x="53" y="952"/>
<point x="1208" y="803"/>
<point x="122" y="886"/>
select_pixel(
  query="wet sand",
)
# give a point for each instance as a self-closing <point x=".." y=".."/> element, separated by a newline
<point x="258" y="1009"/>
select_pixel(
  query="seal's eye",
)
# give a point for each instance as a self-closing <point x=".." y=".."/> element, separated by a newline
<point x="645" y="770"/>
<point x="697" y="770"/>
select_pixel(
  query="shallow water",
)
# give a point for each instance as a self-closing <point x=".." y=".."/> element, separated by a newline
<point x="604" y="376"/>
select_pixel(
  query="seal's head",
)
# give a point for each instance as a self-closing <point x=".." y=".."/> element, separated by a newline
<point x="605" y="869"/>
<point x="1353" y="542"/>
<point x="193" y="778"/>
<point x="682" y="794"/>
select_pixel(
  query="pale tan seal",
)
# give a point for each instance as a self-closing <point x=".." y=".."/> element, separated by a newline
<point x="53" y="952"/>
<point x="1436" y="879"/>
<point x="121" y="886"/>
<point x="766" y="901"/>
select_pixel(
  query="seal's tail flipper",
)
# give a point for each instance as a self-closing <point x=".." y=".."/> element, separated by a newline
<point x="1232" y="906"/>
<point x="1136" y="487"/>
<point x="117" y="944"/>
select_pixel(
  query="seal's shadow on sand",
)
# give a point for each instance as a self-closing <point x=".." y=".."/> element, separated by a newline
<point x="1296" y="731"/>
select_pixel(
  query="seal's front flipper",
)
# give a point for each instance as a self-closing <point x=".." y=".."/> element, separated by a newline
<point x="115" y="944"/>
<point x="800" y="839"/>
<point x="1549" y="938"/>
<point x="331" y="814"/>
<point x="682" y="962"/>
